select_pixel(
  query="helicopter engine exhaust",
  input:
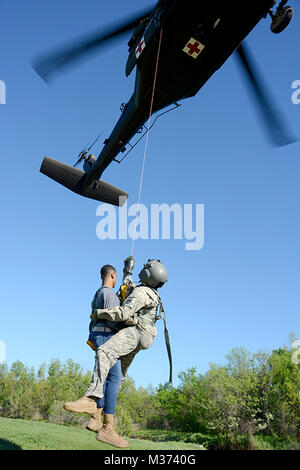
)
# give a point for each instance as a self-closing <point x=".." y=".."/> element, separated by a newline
<point x="75" y="179"/>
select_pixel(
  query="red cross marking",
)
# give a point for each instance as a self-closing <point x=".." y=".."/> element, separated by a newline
<point x="140" y="47"/>
<point x="194" y="48"/>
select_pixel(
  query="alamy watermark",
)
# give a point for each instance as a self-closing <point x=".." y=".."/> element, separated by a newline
<point x="2" y="352"/>
<point x="158" y="222"/>
<point x="296" y="93"/>
<point x="2" y="92"/>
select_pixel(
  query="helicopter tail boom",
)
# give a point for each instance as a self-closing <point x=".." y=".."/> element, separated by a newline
<point x="75" y="180"/>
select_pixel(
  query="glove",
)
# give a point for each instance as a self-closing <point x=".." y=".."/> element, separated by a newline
<point x="96" y="313"/>
<point x="128" y="266"/>
<point x="92" y="315"/>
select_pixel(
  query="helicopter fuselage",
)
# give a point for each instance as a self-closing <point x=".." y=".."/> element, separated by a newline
<point x="197" y="39"/>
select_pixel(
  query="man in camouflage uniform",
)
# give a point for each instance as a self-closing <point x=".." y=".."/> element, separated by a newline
<point x="138" y="313"/>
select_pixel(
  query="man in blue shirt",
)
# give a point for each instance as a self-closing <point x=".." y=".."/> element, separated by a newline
<point x="138" y="315"/>
<point x="100" y="332"/>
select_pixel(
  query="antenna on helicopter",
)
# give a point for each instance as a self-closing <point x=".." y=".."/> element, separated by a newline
<point x="81" y="156"/>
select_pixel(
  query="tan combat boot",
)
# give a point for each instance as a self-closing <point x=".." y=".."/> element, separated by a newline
<point x="83" y="405"/>
<point x="108" y="435"/>
<point x="95" y="423"/>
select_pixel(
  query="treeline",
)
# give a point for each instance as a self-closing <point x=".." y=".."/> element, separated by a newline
<point x="252" y="397"/>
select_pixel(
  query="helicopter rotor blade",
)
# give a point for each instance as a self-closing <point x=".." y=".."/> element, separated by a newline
<point x="80" y="157"/>
<point x="276" y="127"/>
<point x="46" y="66"/>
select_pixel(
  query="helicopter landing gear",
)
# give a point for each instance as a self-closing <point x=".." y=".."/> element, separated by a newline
<point x="282" y="18"/>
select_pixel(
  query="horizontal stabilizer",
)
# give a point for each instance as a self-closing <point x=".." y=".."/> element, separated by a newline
<point x="74" y="179"/>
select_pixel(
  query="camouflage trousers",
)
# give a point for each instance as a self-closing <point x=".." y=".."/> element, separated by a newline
<point x="125" y="345"/>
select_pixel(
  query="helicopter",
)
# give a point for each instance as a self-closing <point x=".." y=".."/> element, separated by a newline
<point x="180" y="43"/>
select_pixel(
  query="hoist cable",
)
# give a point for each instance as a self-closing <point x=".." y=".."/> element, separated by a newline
<point x="147" y="139"/>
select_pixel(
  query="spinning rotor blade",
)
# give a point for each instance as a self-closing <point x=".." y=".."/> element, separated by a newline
<point x="48" y="65"/>
<point x="276" y="127"/>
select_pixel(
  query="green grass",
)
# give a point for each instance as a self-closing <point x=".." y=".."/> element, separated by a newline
<point x="175" y="436"/>
<point x="212" y="442"/>
<point x="275" y="443"/>
<point x="19" y="434"/>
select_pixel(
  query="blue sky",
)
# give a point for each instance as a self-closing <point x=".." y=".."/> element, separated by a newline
<point x="241" y="289"/>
